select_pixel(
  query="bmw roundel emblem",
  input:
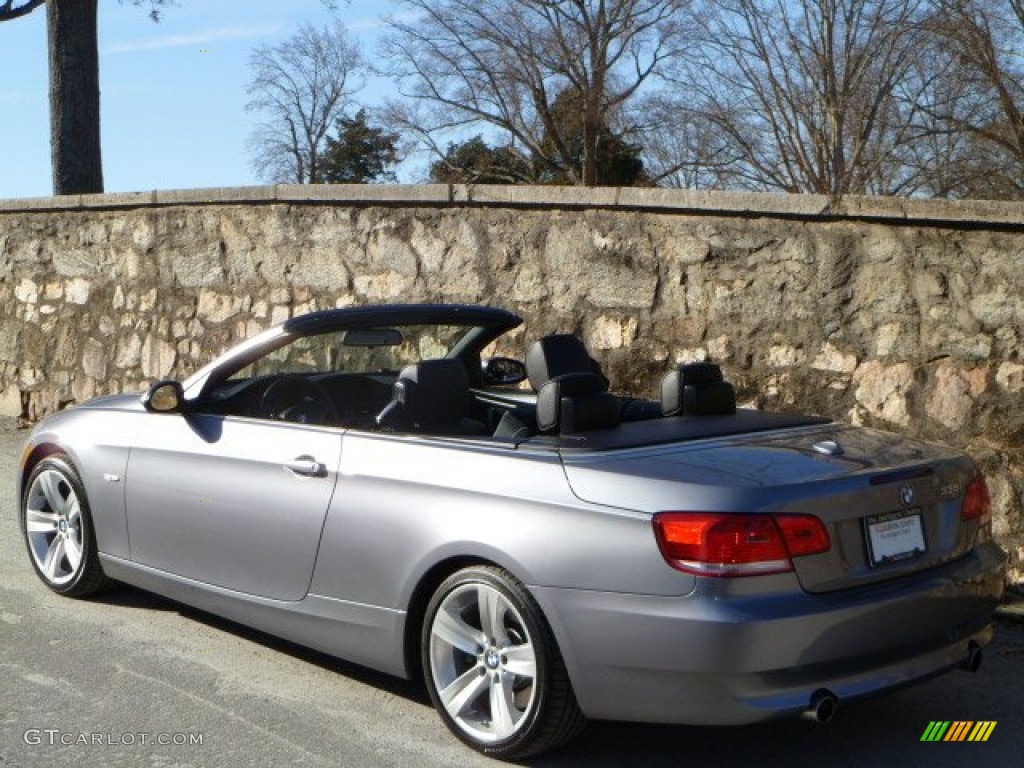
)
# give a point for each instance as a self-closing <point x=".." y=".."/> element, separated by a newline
<point x="907" y="495"/>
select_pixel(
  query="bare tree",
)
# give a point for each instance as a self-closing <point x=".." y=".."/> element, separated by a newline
<point x="934" y="158"/>
<point x="683" y="148"/>
<point x="804" y="91"/>
<point x="301" y="88"/>
<point x="74" y="88"/>
<point x="10" y="11"/>
<point x="980" y="94"/>
<point x="503" y="63"/>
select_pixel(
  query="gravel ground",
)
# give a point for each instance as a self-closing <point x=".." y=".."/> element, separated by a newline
<point x="130" y="664"/>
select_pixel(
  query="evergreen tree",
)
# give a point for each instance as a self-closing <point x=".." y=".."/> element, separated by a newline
<point x="475" y="162"/>
<point x="360" y="154"/>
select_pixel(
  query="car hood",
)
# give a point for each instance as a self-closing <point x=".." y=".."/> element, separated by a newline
<point x="127" y="401"/>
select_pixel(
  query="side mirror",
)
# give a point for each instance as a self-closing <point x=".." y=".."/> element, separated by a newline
<point x="164" y="397"/>
<point x="504" y="371"/>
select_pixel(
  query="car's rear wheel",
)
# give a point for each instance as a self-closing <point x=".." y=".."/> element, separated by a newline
<point x="57" y="525"/>
<point x="493" y="668"/>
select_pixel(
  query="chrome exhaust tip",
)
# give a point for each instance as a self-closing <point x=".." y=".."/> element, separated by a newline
<point x="974" y="656"/>
<point x="822" y="707"/>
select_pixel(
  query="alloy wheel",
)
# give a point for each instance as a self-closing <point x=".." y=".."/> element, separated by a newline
<point x="484" y="666"/>
<point x="54" y="526"/>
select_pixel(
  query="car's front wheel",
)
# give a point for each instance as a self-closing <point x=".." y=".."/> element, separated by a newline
<point x="58" y="530"/>
<point x="493" y="668"/>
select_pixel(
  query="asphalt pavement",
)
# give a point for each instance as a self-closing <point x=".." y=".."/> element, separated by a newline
<point x="130" y="679"/>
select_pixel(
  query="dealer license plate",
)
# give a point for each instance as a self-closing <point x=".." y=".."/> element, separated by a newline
<point x="895" y="536"/>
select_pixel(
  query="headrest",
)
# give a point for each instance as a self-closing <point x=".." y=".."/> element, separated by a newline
<point x="697" y="389"/>
<point x="433" y="392"/>
<point x="557" y="355"/>
<point x="576" y="402"/>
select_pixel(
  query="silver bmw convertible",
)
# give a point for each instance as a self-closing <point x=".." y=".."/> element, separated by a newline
<point x="372" y="483"/>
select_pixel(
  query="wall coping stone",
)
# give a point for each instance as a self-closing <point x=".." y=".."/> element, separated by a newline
<point x="982" y="213"/>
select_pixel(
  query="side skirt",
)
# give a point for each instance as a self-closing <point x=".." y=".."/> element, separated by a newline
<point x="363" y="634"/>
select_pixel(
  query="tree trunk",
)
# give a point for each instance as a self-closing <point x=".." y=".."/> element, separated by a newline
<point x="74" y="96"/>
<point x="591" y="136"/>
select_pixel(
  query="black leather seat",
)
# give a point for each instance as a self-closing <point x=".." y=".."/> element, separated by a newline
<point x="576" y="402"/>
<point x="432" y="396"/>
<point x="697" y="389"/>
<point x="561" y="354"/>
<point x="557" y="355"/>
<point x="551" y="358"/>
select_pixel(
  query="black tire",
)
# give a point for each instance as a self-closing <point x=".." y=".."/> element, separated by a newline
<point x="549" y="715"/>
<point x="53" y="561"/>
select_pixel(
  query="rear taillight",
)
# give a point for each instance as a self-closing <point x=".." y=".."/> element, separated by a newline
<point x="726" y="544"/>
<point x="977" y="501"/>
<point x="804" y="534"/>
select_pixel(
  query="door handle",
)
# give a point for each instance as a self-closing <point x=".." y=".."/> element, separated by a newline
<point x="307" y="466"/>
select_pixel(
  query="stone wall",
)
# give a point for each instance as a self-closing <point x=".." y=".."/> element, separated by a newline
<point x="906" y="315"/>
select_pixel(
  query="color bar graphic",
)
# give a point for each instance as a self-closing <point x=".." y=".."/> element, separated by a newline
<point x="958" y="730"/>
<point x="982" y="730"/>
<point x="935" y="731"/>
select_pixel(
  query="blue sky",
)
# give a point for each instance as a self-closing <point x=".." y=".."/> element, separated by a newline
<point x="173" y="93"/>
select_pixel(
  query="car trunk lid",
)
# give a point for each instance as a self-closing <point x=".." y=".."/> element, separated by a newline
<point x="891" y="504"/>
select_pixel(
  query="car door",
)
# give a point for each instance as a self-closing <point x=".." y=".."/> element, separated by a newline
<point x="231" y="501"/>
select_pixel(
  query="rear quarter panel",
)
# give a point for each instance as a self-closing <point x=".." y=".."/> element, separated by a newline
<point x="404" y="504"/>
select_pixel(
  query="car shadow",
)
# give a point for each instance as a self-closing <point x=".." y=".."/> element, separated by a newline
<point x="883" y="731"/>
<point x="867" y="731"/>
<point x="125" y="596"/>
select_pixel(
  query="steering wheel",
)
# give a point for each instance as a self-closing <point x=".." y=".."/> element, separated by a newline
<point x="297" y="399"/>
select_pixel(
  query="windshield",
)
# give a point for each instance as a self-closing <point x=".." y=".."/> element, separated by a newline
<point x="376" y="350"/>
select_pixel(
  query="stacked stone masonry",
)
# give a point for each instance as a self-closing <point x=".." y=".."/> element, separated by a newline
<point x="907" y="316"/>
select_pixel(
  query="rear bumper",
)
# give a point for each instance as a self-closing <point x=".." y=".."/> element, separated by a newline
<point x="707" y="659"/>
